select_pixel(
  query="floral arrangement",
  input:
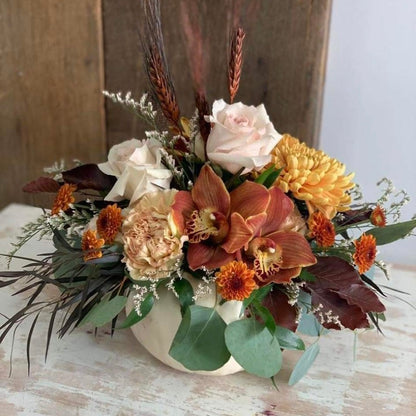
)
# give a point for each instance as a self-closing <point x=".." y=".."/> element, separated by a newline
<point x="217" y="205"/>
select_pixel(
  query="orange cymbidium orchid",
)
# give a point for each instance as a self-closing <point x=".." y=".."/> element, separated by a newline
<point x="218" y="223"/>
<point x="276" y="253"/>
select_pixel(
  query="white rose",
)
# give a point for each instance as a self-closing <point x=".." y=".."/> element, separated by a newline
<point x="118" y="157"/>
<point x="241" y="136"/>
<point x="139" y="169"/>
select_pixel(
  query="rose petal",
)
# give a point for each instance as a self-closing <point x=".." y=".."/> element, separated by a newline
<point x="295" y="249"/>
<point x="239" y="235"/>
<point x="209" y="191"/>
<point x="249" y="199"/>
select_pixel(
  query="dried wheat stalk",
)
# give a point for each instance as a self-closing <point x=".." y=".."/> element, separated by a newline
<point x="236" y="62"/>
<point x="156" y="65"/>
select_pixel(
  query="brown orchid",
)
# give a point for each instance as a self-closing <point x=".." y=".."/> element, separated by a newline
<point x="276" y="253"/>
<point x="218" y="223"/>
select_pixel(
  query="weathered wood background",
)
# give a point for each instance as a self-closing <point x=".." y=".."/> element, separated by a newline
<point x="57" y="56"/>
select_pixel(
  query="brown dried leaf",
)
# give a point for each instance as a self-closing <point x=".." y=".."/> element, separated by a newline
<point x="340" y="290"/>
<point x="284" y="314"/>
<point x="42" y="184"/>
<point x="89" y="176"/>
<point x="350" y="316"/>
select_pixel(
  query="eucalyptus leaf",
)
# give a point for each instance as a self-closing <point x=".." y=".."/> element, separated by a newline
<point x="104" y="311"/>
<point x="393" y="232"/>
<point x="309" y="325"/>
<point x="266" y="316"/>
<point x="288" y="339"/>
<point x="254" y="347"/>
<point x="133" y="317"/>
<point x="185" y="292"/>
<point x="304" y="364"/>
<point x="199" y="342"/>
<point x="257" y="295"/>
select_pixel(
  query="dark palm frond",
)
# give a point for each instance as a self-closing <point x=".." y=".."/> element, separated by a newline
<point x="29" y="339"/>
<point x="374" y="320"/>
<point x="50" y="329"/>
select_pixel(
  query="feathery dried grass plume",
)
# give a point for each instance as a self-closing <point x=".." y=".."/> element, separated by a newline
<point x="236" y="62"/>
<point x="156" y="65"/>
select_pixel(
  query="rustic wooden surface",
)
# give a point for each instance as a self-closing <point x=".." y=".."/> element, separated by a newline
<point x="284" y="64"/>
<point x="51" y="77"/>
<point x="115" y="376"/>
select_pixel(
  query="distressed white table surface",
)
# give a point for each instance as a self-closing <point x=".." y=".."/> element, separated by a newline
<point x="85" y="375"/>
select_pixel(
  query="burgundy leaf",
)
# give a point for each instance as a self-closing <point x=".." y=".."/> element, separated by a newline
<point x="331" y="303"/>
<point x="339" y="288"/>
<point x="333" y="273"/>
<point x="284" y="314"/>
<point x="42" y="184"/>
<point x="355" y="215"/>
<point x="363" y="297"/>
<point x="89" y="177"/>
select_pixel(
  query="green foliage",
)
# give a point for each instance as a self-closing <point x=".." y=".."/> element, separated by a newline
<point x="288" y="339"/>
<point x="133" y="317"/>
<point x="393" y="232"/>
<point x="254" y="347"/>
<point x="199" y="342"/>
<point x="257" y="295"/>
<point x="304" y="364"/>
<point x="307" y="276"/>
<point x="309" y="325"/>
<point x="265" y="315"/>
<point x="268" y="177"/>
<point x="185" y="292"/>
<point x="104" y="311"/>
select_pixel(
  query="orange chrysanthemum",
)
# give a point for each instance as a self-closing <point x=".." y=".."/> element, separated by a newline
<point x="322" y="229"/>
<point x="378" y="216"/>
<point x="109" y="222"/>
<point x="91" y="245"/>
<point x="64" y="198"/>
<point x="235" y="281"/>
<point x="365" y="252"/>
<point x="312" y="176"/>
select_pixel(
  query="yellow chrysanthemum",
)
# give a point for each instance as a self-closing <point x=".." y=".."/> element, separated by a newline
<point x="312" y="176"/>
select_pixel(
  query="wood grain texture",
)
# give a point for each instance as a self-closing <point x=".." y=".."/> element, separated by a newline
<point x="87" y="375"/>
<point x="51" y="77"/>
<point x="284" y="62"/>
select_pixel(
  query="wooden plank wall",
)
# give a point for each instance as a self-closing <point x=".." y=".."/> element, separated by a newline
<point x="284" y="65"/>
<point x="54" y="54"/>
<point x="51" y="77"/>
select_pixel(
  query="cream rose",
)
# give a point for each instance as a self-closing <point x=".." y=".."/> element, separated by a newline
<point x="152" y="246"/>
<point x="241" y="136"/>
<point x="139" y="169"/>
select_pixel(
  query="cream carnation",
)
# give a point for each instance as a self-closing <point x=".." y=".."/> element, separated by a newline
<point x="152" y="247"/>
<point x="241" y="136"/>
<point x="139" y="169"/>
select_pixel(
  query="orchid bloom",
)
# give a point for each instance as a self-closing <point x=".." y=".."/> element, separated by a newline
<point x="218" y="223"/>
<point x="278" y="255"/>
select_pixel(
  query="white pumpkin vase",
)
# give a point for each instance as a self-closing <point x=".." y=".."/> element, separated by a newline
<point x="157" y="330"/>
